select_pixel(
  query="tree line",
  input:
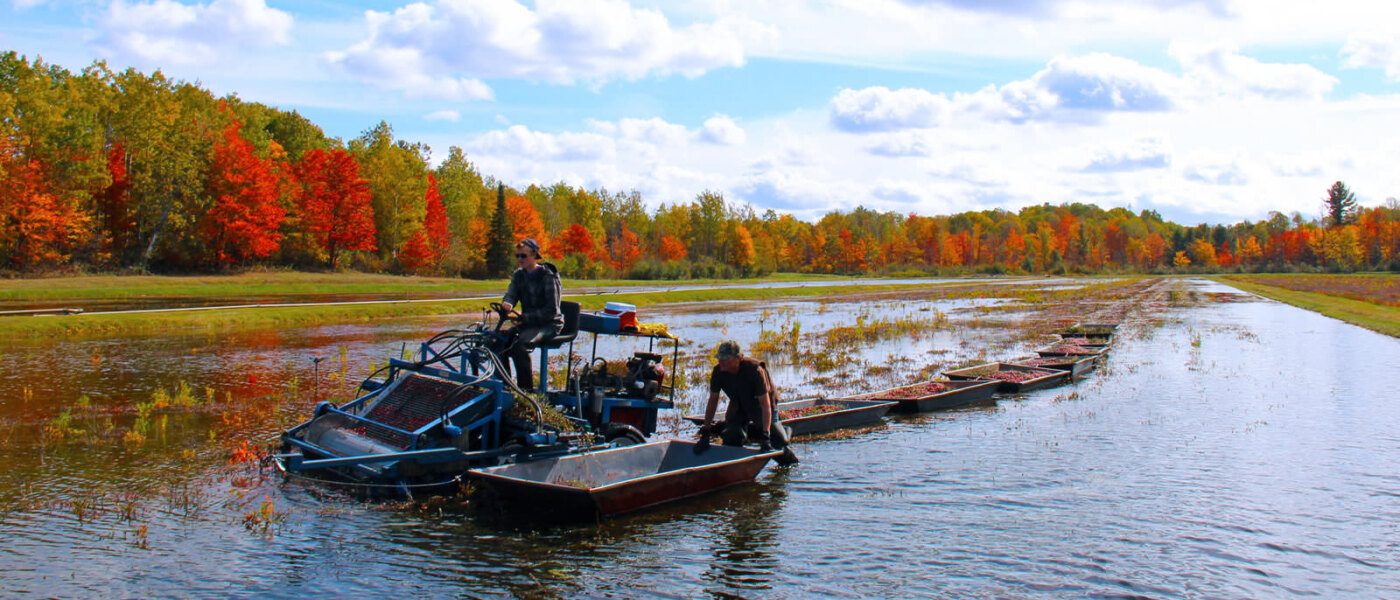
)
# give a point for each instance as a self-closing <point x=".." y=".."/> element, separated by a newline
<point x="116" y="171"/>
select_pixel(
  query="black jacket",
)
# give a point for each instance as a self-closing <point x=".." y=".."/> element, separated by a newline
<point x="536" y="296"/>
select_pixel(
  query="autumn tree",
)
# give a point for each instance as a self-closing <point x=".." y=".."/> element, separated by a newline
<point x="395" y="170"/>
<point x="1202" y="253"/>
<point x="1340" y="205"/>
<point x="671" y="249"/>
<point x="575" y="239"/>
<point x="168" y="130"/>
<point x="1340" y="248"/>
<point x="741" y="250"/>
<point x="247" y="212"/>
<point x="624" y="250"/>
<point x="335" y="203"/>
<point x="51" y="153"/>
<point x="466" y="198"/>
<point x="424" y="251"/>
<point x="38" y="226"/>
<point x="1249" y="251"/>
<point x="114" y="206"/>
<point x="525" y="222"/>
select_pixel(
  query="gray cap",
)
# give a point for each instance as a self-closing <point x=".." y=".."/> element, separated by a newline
<point x="531" y="244"/>
<point x="727" y="349"/>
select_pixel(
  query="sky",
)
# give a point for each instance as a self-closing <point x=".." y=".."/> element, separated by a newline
<point x="1211" y="111"/>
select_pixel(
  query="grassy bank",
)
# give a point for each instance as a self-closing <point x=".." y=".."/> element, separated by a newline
<point x="1371" y="315"/>
<point x="300" y="316"/>
<point x="291" y="285"/>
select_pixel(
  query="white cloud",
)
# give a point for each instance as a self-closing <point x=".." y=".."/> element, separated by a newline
<point x="900" y="144"/>
<point x="1145" y="153"/>
<point x="1102" y="82"/>
<point x="921" y="34"/>
<point x="882" y="109"/>
<point x="723" y="131"/>
<point x="1170" y="161"/>
<point x="444" y="115"/>
<point x="653" y="131"/>
<point x="1373" y="50"/>
<point x="518" y="140"/>
<point x="1042" y="8"/>
<point x="1077" y="89"/>
<point x="558" y="41"/>
<point x="1212" y="168"/>
<point x="165" y="31"/>
<point x="1220" y="69"/>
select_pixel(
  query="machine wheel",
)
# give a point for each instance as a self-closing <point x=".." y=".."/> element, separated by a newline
<point x="512" y="448"/>
<point x="618" y="435"/>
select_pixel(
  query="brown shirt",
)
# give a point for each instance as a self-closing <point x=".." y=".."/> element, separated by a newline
<point x="743" y="387"/>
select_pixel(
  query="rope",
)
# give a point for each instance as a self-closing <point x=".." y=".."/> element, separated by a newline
<point x="455" y="479"/>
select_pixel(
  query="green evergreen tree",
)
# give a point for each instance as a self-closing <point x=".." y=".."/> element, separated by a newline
<point x="500" y="246"/>
<point x="1341" y="205"/>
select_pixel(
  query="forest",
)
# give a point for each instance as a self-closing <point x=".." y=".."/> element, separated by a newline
<point x="104" y="171"/>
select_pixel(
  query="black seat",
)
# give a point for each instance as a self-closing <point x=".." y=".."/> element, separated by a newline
<point x="570" y="330"/>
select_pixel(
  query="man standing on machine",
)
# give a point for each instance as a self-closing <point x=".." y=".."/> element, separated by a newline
<point x="752" y="402"/>
<point x="535" y="287"/>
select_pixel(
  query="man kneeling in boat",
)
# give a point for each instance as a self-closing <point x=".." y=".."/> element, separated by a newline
<point x="753" y="402"/>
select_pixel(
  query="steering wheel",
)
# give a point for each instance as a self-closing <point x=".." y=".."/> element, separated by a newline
<point x="504" y="314"/>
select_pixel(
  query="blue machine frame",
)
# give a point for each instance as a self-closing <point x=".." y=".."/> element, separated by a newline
<point x="645" y="419"/>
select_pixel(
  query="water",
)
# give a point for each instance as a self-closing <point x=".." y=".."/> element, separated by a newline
<point x="1230" y="448"/>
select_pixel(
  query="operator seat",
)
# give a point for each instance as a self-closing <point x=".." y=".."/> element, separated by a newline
<point x="565" y="336"/>
<point x="570" y="330"/>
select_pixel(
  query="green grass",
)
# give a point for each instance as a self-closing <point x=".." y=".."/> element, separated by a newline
<point x="1376" y="317"/>
<point x="292" y="284"/>
<point x="86" y="325"/>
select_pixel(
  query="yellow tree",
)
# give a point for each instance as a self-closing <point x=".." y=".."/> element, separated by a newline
<point x="1202" y="253"/>
<point x="1249" y="251"/>
<point x="1341" y="248"/>
<point x="741" y="252"/>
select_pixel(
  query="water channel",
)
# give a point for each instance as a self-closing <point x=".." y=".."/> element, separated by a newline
<point x="1231" y="447"/>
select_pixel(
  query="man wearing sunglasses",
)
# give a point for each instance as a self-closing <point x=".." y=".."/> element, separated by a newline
<point x="534" y="286"/>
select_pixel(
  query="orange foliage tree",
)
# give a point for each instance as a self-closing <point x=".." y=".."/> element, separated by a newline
<point x="247" y="211"/>
<point x="625" y="250"/>
<point x="525" y="221"/>
<point x="671" y="249"/>
<point x="335" y="202"/>
<point x="39" y="225"/>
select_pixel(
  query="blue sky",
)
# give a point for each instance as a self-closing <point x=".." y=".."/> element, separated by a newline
<point x="1205" y="110"/>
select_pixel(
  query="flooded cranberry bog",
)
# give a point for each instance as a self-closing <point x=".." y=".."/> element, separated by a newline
<point x="1226" y="446"/>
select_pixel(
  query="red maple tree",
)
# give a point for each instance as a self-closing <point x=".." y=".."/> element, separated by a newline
<point x="574" y="240"/>
<point x="247" y="210"/>
<point x="118" y="220"/>
<point x="625" y="250"/>
<point x="335" y="202"/>
<point x="426" y="248"/>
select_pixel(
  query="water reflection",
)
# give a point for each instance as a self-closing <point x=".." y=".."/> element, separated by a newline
<point x="1227" y="448"/>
